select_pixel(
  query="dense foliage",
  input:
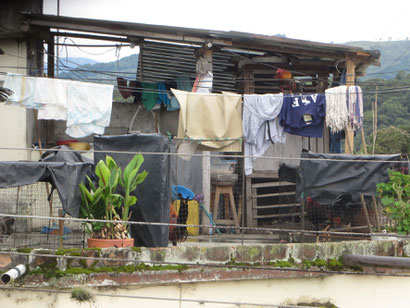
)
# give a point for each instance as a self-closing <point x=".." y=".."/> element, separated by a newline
<point x="393" y="114"/>
<point x="395" y="197"/>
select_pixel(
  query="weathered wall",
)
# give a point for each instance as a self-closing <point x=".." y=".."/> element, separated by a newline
<point x="121" y="116"/>
<point x="16" y="123"/>
<point x="342" y="291"/>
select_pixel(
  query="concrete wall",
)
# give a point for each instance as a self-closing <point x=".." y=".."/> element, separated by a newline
<point x="342" y="291"/>
<point x="16" y="123"/>
<point x="121" y="116"/>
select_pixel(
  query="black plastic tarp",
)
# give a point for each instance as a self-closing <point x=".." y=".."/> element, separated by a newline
<point x="154" y="193"/>
<point x="341" y="174"/>
<point x="63" y="170"/>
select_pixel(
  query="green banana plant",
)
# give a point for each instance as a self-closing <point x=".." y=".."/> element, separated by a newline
<point x="104" y="202"/>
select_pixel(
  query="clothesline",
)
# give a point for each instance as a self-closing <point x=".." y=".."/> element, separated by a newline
<point x="140" y="89"/>
<point x="110" y="73"/>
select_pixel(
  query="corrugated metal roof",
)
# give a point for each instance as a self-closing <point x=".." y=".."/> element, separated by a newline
<point x="163" y="61"/>
<point x="222" y="38"/>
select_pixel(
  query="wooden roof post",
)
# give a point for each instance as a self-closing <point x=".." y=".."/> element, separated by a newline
<point x="350" y="81"/>
<point x="206" y="160"/>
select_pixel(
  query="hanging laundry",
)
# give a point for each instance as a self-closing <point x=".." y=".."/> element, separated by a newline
<point x="213" y="120"/>
<point x="183" y="83"/>
<point x="162" y="94"/>
<point x="85" y="106"/>
<point x="337" y="116"/>
<point x="335" y="140"/>
<point x="136" y="90"/>
<point x="123" y="88"/>
<point x="203" y="83"/>
<point x="89" y="109"/>
<point x="149" y="95"/>
<point x="303" y="114"/>
<point x="261" y="125"/>
<point x="24" y="91"/>
<point x="204" y="79"/>
<point x="355" y="106"/>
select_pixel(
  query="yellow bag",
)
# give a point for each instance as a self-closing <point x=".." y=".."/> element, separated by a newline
<point x="193" y="216"/>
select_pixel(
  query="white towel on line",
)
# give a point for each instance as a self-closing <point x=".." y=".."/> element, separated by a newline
<point x="85" y="106"/>
<point x="337" y="116"/>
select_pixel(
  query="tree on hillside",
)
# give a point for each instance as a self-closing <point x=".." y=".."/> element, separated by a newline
<point x="392" y="140"/>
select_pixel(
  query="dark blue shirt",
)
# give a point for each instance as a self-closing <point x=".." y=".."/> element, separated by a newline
<point x="303" y="114"/>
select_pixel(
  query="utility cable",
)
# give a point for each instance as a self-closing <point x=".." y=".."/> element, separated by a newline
<point x="271" y="230"/>
<point x="213" y="155"/>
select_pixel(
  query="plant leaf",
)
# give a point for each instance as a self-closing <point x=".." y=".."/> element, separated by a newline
<point x="103" y="173"/>
<point x="111" y="164"/>
<point x="131" y="201"/>
<point x="134" y="164"/>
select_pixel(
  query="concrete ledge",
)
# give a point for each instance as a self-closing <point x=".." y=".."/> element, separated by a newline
<point x="250" y="254"/>
<point x="263" y="254"/>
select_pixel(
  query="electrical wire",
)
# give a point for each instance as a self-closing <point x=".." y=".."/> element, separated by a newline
<point x="144" y="223"/>
<point x="212" y="156"/>
<point x="398" y="58"/>
<point x="236" y="79"/>
<point x="229" y="51"/>
<point x="110" y="73"/>
<point x="404" y="88"/>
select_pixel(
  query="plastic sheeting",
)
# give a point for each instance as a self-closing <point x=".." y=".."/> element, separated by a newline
<point x="63" y="170"/>
<point x="325" y="179"/>
<point x="154" y="193"/>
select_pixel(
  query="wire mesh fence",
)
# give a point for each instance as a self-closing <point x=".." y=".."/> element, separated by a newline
<point x="210" y="194"/>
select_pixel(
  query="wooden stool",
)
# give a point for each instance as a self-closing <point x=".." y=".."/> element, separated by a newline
<point x="225" y="188"/>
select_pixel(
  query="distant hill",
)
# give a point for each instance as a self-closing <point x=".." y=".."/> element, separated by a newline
<point x="71" y="63"/>
<point x="395" y="56"/>
<point x="76" y="61"/>
<point x="104" y="71"/>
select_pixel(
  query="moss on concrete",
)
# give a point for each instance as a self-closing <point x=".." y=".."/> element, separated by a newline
<point x="136" y="249"/>
<point x="24" y="249"/>
<point x="50" y="273"/>
<point x="75" y="251"/>
<point x="330" y="264"/>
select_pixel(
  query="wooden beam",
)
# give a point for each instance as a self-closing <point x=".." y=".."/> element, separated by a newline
<point x="91" y="36"/>
<point x="128" y="32"/>
<point x="50" y="58"/>
<point x="350" y="81"/>
<point x="322" y="85"/>
<point x="206" y="163"/>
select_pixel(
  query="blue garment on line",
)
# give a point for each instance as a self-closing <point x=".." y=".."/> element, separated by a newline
<point x="183" y="83"/>
<point x="162" y="94"/>
<point x="303" y="114"/>
<point x="335" y="142"/>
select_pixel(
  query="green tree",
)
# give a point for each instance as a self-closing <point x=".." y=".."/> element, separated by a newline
<point x="392" y="140"/>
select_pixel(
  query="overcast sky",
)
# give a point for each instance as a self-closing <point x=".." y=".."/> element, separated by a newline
<point x="318" y="20"/>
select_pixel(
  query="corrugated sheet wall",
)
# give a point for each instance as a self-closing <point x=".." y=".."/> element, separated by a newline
<point x="162" y="61"/>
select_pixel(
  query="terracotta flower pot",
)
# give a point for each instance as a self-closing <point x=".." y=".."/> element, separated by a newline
<point x="103" y="243"/>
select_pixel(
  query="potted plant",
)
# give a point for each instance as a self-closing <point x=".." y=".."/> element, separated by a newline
<point x="104" y="201"/>
<point x="395" y="197"/>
